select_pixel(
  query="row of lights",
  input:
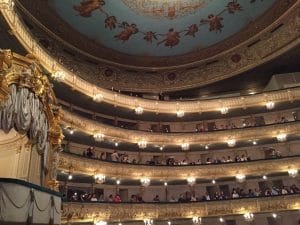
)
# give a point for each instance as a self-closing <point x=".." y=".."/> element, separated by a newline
<point x="100" y="178"/>
<point x="60" y="76"/>
<point x="184" y="146"/>
<point x="249" y="217"/>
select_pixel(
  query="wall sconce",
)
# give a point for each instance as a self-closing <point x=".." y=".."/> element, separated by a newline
<point x="70" y="177"/>
<point x="293" y="173"/>
<point x="100" y="222"/>
<point x="99" y="137"/>
<point x="98" y="97"/>
<point x="240" y="178"/>
<point x="142" y="144"/>
<point x="231" y="143"/>
<point x="99" y="178"/>
<point x="191" y="180"/>
<point x="185" y="146"/>
<point x="139" y="110"/>
<point x="180" y="113"/>
<point x="148" y="221"/>
<point x="118" y="182"/>
<point x="249" y="217"/>
<point x="270" y="105"/>
<point x="224" y="110"/>
<point x="281" y="137"/>
<point x="221" y="220"/>
<point x="197" y="220"/>
<point x="145" y="182"/>
<point x="59" y="75"/>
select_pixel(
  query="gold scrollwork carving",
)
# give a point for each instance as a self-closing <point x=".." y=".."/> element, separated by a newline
<point x="85" y="212"/>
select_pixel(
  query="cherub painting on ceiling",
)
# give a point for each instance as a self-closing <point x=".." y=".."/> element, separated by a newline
<point x="170" y="38"/>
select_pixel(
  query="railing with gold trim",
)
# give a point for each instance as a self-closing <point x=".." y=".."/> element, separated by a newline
<point x="32" y="45"/>
<point x="82" y="165"/>
<point x="118" y="134"/>
<point x="89" y="212"/>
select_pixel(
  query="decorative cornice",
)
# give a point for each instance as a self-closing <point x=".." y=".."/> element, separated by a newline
<point x="89" y="212"/>
<point x="118" y="134"/>
<point x="269" y="46"/>
<point x="82" y="165"/>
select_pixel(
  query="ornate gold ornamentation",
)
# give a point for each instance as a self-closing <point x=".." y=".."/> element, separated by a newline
<point x="85" y="212"/>
<point x="87" y="166"/>
<point x="211" y="65"/>
<point x="119" y="134"/>
<point x="269" y="47"/>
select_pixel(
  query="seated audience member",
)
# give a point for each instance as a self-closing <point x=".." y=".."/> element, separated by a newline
<point x="294" y="189"/>
<point x="156" y="199"/>
<point x="274" y="191"/>
<point x="74" y="197"/>
<point x="94" y="198"/>
<point x="110" y="198"/>
<point x="115" y="156"/>
<point x="207" y="197"/>
<point x="140" y="199"/>
<point x="89" y="152"/>
<point x="181" y="198"/>
<point x="229" y="159"/>
<point x="101" y="198"/>
<point x="244" y="158"/>
<point x="193" y="198"/>
<point x="284" y="191"/>
<point x="133" y="198"/>
<point x="250" y="194"/>
<point x="235" y="194"/>
<point x="208" y="161"/>
<point x="173" y="199"/>
<point x="117" y="198"/>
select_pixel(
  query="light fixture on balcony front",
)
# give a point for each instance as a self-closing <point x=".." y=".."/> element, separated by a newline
<point x="224" y="110"/>
<point x="169" y="223"/>
<point x="185" y="146"/>
<point x="231" y="143"/>
<point x="270" y="105"/>
<point x="99" y="137"/>
<point x="118" y="182"/>
<point x="142" y="144"/>
<point x="240" y="178"/>
<point x="166" y="183"/>
<point x="274" y="215"/>
<point x="221" y="220"/>
<point x="98" y="97"/>
<point x="148" y="221"/>
<point x="99" y="178"/>
<point x="281" y="137"/>
<point x="145" y="182"/>
<point x="100" y="222"/>
<point x="70" y="177"/>
<point x="264" y="177"/>
<point x="197" y="220"/>
<point x="7" y="4"/>
<point x="293" y="172"/>
<point x="139" y="110"/>
<point x="59" y="75"/>
<point x="249" y="217"/>
<point x="180" y="113"/>
<point x="191" y="180"/>
<point x="213" y="181"/>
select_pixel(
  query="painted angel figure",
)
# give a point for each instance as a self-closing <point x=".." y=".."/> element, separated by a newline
<point x="149" y="36"/>
<point x="172" y="39"/>
<point x="215" y="22"/>
<point x="233" y="6"/>
<point x="127" y="31"/>
<point x="86" y="7"/>
<point x="110" y="22"/>
<point x="192" y="30"/>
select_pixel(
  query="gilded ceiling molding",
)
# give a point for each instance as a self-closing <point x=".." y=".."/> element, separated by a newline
<point x="123" y="135"/>
<point x="89" y="212"/>
<point x="81" y="165"/>
<point x="269" y="46"/>
<point x="238" y="58"/>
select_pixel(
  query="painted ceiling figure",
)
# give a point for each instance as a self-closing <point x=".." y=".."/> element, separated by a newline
<point x="233" y="6"/>
<point x="86" y="7"/>
<point x="214" y="22"/>
<point x="149" y="36"/>
<point x="127" y="31"/>
<point x="172" y="39"/>
<point x="192" y="30"/>
<point x="110" y="22"/>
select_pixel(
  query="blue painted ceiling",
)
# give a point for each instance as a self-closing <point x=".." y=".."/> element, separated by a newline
<point x="159" y="27"/>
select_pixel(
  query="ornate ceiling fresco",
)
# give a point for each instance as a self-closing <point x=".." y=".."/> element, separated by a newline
<point x="159" y="27"/>
<point x="161" y="45"/>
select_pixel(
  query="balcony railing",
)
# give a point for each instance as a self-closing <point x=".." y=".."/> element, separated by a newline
<point x="88" y="212"/>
